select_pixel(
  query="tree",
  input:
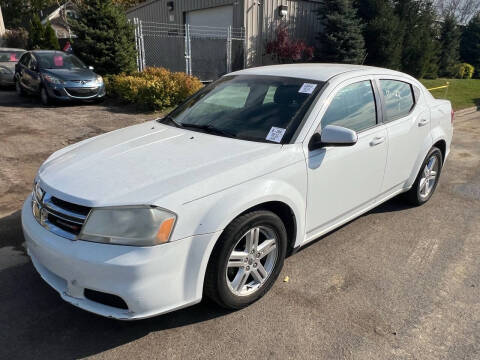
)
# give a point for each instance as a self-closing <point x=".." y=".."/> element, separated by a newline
<point x="420" y="45"/>
<point x="18" y="13"/>
<point x="449" y="46"/>
<point x="341" y="38"/>
<point x="462" y="10"/>
<point x="470" y="43"/>
<point x="104" y="37"/>
<point x="285" y="50"/>
<point x="51" y="40"/>
<point x="36" y="33"/>
<point x="383" y="33"/>
<point x="126" y="4"/>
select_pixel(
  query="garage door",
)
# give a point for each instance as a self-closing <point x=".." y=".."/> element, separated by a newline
<point x="220" y="16"/>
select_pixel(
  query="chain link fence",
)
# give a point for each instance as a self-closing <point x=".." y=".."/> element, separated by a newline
<point x="203" y="51"/>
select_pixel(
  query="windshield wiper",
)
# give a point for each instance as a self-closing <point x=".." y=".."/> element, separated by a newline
<point x="210" y="129"/>
<point x="170" y="120"/>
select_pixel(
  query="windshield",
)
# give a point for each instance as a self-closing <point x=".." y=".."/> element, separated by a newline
<point x="10" y="56"/>
<point x="248" y="107"/>
<point x="59" y="60"/>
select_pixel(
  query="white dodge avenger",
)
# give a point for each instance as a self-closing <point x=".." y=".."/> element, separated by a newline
<point x="209" y="200"/>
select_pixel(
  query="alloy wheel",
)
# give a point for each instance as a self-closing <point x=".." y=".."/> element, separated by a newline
<point x="429" y="177"/>
<point x="252" y="260"/>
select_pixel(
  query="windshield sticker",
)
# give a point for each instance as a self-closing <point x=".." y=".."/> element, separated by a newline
<point x="276" y="134"/>
<point x="58" y="61"/>
<point x="307" y="88"/>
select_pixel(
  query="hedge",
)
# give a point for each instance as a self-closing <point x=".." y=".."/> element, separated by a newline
<point x="152" y="89"/>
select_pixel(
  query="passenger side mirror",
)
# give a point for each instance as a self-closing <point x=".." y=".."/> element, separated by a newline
<point x="333" y="135"/>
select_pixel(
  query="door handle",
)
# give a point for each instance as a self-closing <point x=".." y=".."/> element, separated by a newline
<point x="423" y="122"/>
<point x="377" y="140"/>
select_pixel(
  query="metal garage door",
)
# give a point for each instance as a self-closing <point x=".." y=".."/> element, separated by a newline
<point x="220" y="16"/>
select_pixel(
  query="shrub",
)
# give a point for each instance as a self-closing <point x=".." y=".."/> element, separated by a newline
<point x="16" y="38"/>
<point x="285" y="50"/>
<point x="153" y="89"/>
<point x="464" y="71"/>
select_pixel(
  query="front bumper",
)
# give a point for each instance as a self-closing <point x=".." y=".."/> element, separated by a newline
<point x="72" y="91"/>
<point x="151" y="280"/>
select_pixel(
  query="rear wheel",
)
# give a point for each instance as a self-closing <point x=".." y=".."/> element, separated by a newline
<point x="427" y="179"/>
<point x="247" y="259"/>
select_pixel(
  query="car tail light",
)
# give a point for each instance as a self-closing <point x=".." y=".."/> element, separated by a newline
<point x="453" y="116"/>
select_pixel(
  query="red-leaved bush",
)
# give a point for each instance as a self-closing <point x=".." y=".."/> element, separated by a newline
<point x="284" y="50"/>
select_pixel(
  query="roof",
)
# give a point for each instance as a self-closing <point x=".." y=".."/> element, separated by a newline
<point x="39" y="52"/>
<point x="11" y="49"/>
<point x="314" y="71"/>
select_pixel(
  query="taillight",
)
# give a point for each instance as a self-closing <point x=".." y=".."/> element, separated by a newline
<point x="453" y="116"/>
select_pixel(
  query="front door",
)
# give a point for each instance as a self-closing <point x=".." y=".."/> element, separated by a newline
<point x="344" y="180"/>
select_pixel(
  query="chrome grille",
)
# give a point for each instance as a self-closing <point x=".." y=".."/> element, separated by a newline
<point x="58" y="216"/>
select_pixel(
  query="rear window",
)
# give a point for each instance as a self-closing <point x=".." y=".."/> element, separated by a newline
<point x="399" y="99"/>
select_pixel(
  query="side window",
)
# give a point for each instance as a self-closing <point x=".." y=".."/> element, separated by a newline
<point x="398" y="97"/>
<point x="352" y="107"/>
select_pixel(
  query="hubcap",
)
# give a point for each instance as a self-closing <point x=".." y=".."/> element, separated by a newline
<point x="252" y="261"/>
<point x="429" y="177"/>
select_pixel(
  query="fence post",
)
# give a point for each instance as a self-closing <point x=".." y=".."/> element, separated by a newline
<point x="135" y="26"/>
<point x="142" y="47"/>
<point x="229" y="49"/>
<point x="244" y="35"/>
<point x="188" y="51"/>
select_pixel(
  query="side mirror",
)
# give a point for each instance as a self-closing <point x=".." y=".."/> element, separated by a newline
<point x="333" y="135"/>
<point x="91" y="68"/>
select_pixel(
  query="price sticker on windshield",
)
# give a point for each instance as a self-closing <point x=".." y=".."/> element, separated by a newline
<point x="307" y="88"/>
<point x="276" y="134"/>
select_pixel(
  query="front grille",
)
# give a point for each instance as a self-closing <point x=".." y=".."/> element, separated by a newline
<point x="82" y="92"/>
<point x="61" y="217"/>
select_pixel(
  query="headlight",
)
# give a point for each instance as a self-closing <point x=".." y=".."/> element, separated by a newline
<point x="130" y="225"/>
<point x="99" y="79"/>
<point x="53" y="80"/>
<point x="5" y="70"/>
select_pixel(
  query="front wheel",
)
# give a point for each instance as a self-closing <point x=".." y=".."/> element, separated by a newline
<point x="44" y="97"/>
<point x="247" y="259"/>
<point x="18" y="88"/>
<point x="427" y="179"/>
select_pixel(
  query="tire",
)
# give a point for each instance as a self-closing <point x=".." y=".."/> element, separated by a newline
<point x="44" y="97"/>
<point x="431" y="168"/>
<point x="19" y="88"/>
<point x="226" y="271"/>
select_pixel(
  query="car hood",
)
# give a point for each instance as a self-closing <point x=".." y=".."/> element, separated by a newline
<point x="75" y="74"/>
<point x="146" y="163"/>
<point x="8" y="65"/>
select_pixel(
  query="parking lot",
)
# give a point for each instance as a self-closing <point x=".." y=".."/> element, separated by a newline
<point x="397" y="283"/>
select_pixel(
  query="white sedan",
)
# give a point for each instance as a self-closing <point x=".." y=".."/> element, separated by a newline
<point x="209" y="200"/>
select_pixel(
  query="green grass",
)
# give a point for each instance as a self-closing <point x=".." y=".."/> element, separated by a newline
<point x="461" y="92"/>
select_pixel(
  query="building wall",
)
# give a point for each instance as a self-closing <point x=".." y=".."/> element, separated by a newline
<point x="2" y="26"/>
<point x="262" y="18"/>
<point x="157" y="10"/>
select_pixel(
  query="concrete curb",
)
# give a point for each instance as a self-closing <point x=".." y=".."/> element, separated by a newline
<point x="466" y="111"/>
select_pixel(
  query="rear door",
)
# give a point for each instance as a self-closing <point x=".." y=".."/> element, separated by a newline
<point x="343" y="181"/>
<point x="407" y="122"/>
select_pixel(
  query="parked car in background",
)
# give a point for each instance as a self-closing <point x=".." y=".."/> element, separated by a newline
<point x="8" y="59"/>
<point x="55" y="75"/>
<point x="208" y="200"/>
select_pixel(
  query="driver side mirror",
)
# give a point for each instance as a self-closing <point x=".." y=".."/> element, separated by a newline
<point x="333" y="135"/>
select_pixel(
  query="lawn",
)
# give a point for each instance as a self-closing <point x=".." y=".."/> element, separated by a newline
<point x="462" y="93"/>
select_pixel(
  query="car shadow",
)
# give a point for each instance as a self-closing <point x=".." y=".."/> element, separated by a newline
<point x="36" y="323"/>
<point x="9" y="98"/>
